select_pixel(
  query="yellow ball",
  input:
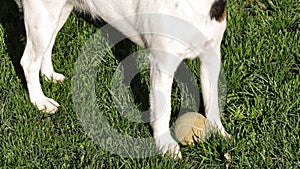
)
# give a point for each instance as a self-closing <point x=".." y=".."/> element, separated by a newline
<point x="191" y="127"/>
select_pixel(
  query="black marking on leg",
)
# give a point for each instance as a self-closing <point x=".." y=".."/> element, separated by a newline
<point x="218" y="10"/>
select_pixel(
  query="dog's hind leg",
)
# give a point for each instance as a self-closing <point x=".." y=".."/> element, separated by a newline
<point x="47" y="67"/>
<point x="41" y="22"/>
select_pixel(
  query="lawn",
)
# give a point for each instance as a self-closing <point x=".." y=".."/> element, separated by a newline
<point x="261" y="62"/>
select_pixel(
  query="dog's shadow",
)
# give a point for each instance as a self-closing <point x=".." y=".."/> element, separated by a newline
<point x="12" y="22"/>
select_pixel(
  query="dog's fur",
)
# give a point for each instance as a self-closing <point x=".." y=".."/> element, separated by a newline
<point x="44" y="18"/>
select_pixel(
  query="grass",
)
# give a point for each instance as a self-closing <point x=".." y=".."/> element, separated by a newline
<point x="261" y="59"/>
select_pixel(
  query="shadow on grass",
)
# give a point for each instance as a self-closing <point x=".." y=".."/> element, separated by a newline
<point x="12" y="21"/>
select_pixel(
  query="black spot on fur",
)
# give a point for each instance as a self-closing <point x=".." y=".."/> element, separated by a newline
<point x="218" y="10"/>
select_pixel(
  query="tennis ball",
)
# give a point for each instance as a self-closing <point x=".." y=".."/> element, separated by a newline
<point x="191" y="127"/>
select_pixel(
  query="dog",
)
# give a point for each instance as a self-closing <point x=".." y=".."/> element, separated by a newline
<point x="44" y="18"/>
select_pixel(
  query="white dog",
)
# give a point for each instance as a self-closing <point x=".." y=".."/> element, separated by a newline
<point x="44" y="18"/>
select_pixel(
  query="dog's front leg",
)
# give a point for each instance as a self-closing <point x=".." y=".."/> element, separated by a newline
<point x="209" y="73"/>
<point x="161" y="75"/>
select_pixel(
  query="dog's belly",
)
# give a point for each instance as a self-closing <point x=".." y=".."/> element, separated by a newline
<point x="133" y="18"/>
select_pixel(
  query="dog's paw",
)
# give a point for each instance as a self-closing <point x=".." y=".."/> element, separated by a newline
<point x="225" y="134"/>
<point x="221" y="130"/>
<point x="57" y="77"/>
<point x="168" y="146"/>
<point x="217" y="127"/>
<point x="46" y="104"/>
<point x="54" y="77"/>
